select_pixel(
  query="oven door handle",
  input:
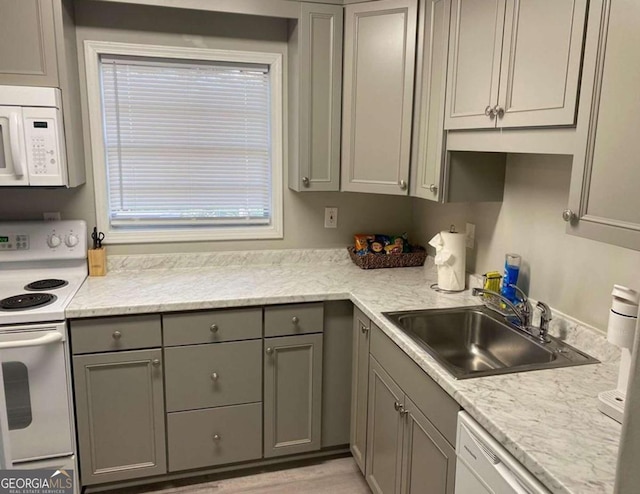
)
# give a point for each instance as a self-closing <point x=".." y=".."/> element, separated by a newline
<point x="43" y="340"/>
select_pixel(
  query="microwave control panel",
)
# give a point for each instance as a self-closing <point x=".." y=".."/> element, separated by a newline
<point x="45" y="150"/>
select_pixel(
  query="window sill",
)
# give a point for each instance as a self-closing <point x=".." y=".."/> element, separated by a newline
<point x="118" y="236"/>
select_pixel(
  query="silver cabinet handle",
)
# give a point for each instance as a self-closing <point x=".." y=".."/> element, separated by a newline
<point x="295" y="320"/>
<point x="399" y="407"/>
<point x="155" y="362"/>
<point x="216" y="437"/>
<point x="403" y="185"/>
<point x="213" y="328"/>
<point x="433" y="188"/>
<point x="499" y="111"/>
<point x="116" y="335"/>
<point x="269" y="350"/>
<point x="568" y="215"/>
<point x="214" y="376"/>
<point x="363" y="328"/>
<point x="490" y="112"/>
<point x="305" y="181"/>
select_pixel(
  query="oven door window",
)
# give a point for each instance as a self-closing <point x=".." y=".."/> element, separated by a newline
<point x="17" y="395"/>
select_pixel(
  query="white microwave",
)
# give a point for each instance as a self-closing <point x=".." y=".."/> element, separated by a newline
<point x="32" y="150"/>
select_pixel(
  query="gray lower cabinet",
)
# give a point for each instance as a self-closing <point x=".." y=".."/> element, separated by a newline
<point x="202" y="438"/>
<point x="411" y="425"/>
<point x="292" y="394"/>
<point x="360" y="387"/>
<point x="120" y="415"/>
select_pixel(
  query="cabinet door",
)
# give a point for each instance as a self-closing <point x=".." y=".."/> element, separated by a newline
<point x="27" y="43"/>
<point x="292" y="394"/>
<point x="433" y="46"/>
<point x="379" y="60"/>
<point x="428" y="464"/>
<point x="384" y="431"/>
<point x="359" y="387"/>
<point x="606" y="170"/>
<point x="120" y="415"/>
<point x="541" y="62"/>
<point x="320" y="97"/>
<point x="474" y="63"/>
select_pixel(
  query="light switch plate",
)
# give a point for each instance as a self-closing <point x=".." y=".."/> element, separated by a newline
<point x="331" y="217"/>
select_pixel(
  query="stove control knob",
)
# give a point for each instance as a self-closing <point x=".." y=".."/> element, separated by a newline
<point x="54" y="241"/>
<point x="71" y="240"/>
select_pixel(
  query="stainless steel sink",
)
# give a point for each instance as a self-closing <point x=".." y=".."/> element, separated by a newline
<point x="475" y="342"/>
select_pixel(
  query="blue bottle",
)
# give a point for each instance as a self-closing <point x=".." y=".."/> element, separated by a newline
<point x="511" y="271"/>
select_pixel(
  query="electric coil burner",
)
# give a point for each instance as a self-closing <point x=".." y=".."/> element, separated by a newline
<point x="26" y="301"/>
<point x="48" y="284"/>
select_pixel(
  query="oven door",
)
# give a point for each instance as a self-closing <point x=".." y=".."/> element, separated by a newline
<point x="13" y="157"/>
<point x="34" y="399"/>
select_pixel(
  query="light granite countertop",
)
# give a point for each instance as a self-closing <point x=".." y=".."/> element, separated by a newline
<point x="547" y="419"/>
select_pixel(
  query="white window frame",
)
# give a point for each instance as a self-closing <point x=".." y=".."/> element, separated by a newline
<point x="92" y="52"/>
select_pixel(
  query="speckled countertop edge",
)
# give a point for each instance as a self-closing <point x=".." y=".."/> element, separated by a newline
<point x="547" y="419"/>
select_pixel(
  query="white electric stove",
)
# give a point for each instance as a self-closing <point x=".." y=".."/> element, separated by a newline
<point x="42" y="265"/>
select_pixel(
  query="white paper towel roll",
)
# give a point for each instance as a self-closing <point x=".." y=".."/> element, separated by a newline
<point x="450" y="259"/>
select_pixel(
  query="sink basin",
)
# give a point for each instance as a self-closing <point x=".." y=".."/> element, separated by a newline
<point x="475" y="341"/>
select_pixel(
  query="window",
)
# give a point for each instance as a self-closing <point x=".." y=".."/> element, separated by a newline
<point x="187" y="143"/>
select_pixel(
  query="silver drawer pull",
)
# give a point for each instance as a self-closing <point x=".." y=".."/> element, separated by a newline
<point x="295" y="320"/>
<point x="214" y="328"/>
<point x="156" y="362"/>
<point x="116" y="335"/>
<point x="363" y="328"/>
<point x="214" y="376"/>
<point x="216" y="437"/>
<point x="269" y="350"/>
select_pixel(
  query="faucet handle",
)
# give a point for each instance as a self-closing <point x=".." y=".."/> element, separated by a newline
<point x="545" y="315"/>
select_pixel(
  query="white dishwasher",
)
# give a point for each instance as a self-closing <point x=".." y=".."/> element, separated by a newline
<point x="483" y="466"/>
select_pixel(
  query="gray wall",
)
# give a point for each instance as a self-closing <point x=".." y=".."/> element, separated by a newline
<point x="303" y="213"/>
<point x="572" y="274"/>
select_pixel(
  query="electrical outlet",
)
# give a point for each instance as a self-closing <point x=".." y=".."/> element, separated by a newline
<point x="471" y="235"/>
<point x="51" y="216"/>
<point x="331" y="217"/>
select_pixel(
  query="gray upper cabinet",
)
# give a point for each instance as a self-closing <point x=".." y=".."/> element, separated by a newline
<point x="292" y="394"/>
<point x="603" y="200"/>
<point x="359" y="387"/>
<point x="428" y="141"/>
<point x="28" y="43"/>
<point x="315" y="55"/>
<point x="379" y="61"/>
<point x="514" y="63"/>
<point x="120" y="415"/>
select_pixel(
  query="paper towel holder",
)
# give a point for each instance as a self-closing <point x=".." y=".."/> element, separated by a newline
<point x="621" y="331"/>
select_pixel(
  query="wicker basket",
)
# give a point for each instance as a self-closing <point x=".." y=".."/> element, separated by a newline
<point x="414" y="258"/>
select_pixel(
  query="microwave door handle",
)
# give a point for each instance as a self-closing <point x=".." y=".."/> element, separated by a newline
<point x="15" y="136"/>
<point x="43" y="340"/>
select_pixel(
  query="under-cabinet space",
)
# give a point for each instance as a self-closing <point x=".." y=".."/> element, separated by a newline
<point x="219" y="374"/>
<point x="202" y="438"/>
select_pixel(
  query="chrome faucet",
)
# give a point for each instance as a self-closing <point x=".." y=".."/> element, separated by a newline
<point x="522" y="310"/>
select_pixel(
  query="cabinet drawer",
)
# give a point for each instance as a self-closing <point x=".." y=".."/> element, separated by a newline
<point x="201" y="438"/>
<point x="431" y="399"/>
<point x="293" y="319"/>
<point x="212" y="326"/>
<point x="108" y="334"/>
<point x="205" y="376"/>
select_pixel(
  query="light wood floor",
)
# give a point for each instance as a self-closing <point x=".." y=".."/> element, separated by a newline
<point x="334" y="476"/>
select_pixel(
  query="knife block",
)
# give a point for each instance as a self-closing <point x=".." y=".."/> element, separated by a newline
<point x="98" y="262"/>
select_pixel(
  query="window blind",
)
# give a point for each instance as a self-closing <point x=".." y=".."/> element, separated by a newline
<point x="186" y="143"/>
